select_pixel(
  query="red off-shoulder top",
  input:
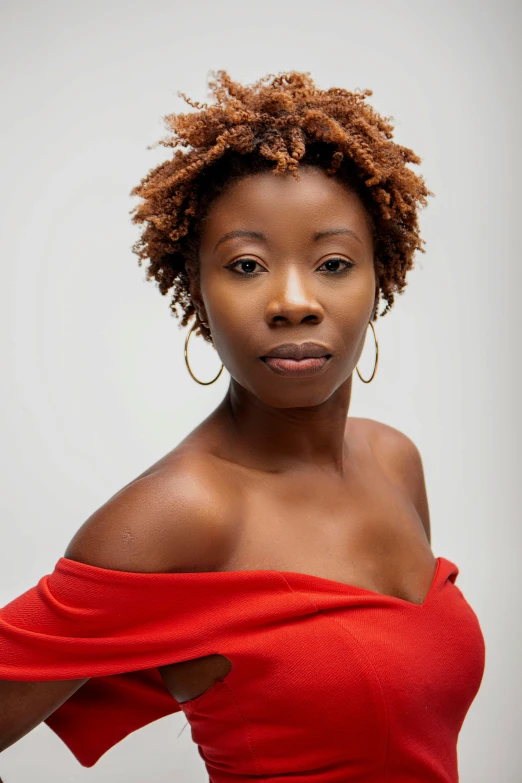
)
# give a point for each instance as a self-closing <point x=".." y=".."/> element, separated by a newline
<point x="330" y="683"/>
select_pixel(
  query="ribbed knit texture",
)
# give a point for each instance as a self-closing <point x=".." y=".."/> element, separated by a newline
<point x="330" y="683"/>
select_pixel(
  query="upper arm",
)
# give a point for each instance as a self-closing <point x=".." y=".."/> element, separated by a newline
<point x="24" y="705"/>
<point x="402" y="460"/>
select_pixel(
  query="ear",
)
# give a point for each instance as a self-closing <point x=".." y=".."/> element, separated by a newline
<point x="195" y="291"/>
<point x="376" y="300"/>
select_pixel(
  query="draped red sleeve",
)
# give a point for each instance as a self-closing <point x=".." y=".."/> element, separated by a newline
<point x="115" y="628"/>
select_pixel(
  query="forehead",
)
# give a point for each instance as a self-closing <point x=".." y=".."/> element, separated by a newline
<point x="280" y="203"/>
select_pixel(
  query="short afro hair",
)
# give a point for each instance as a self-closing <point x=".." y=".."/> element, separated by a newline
<point x="276" y="123"/>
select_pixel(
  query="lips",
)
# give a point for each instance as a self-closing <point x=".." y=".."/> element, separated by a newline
<point x="298" y="351"/>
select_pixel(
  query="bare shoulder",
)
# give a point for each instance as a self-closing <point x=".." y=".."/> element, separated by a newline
<point x="175" y="518"/>
<point x="386" y="440"/>
<point x="401" y="460"/>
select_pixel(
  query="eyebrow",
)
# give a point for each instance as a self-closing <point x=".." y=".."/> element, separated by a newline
<point x="240" y="232"/>
<point x="331" y="231"/>
<point x="258" y="235"/>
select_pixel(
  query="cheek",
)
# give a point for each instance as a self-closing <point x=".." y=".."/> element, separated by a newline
<point x="352" y="302"/>
<point x="236" y="321"/>
<point x="231" y="309"/>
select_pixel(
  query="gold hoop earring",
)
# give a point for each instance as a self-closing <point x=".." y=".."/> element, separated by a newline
<point x="376" y="358"/>
<point x="203" y="383"/>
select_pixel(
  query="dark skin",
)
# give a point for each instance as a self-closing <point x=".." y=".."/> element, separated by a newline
<point x="308" y="475"/>
<point x="278" y="477"/>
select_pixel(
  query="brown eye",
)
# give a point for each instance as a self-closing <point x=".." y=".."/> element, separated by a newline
<point x="249" y="262"/>
<point x="334" y="261"/>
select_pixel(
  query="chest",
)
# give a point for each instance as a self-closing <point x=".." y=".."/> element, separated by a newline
<point x="363" y="531"/>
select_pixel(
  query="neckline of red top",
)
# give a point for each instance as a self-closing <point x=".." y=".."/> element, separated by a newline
<point x="442" y="565"/>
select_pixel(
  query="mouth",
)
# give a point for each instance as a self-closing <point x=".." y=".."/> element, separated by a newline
<point x="296" y="367"/>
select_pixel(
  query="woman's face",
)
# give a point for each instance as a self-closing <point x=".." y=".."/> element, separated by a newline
<point x="287" y="261"/>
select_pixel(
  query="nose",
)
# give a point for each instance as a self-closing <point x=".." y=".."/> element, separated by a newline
<point x="293" y="301"/>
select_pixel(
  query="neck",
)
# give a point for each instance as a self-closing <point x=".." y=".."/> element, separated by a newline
<point x="286" y="439"/>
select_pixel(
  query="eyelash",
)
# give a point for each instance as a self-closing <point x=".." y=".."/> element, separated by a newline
<point x="255" y="274"/>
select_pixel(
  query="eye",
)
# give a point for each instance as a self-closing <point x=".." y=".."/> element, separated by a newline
<point x="249" y="272"/>
<point x="348" y="266"/>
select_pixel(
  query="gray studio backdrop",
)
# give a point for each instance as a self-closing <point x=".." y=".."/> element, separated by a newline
<point x="94" y="386"/>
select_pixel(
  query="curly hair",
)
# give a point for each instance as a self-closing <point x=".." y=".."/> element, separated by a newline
<point x="276" y="123"/>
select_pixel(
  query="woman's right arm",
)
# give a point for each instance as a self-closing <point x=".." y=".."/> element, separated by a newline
<point x="166" y="521"/>
<point x="24" y="705"/>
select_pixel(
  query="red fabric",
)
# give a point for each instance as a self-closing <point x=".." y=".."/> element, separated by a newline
<point x="330" y="683"/>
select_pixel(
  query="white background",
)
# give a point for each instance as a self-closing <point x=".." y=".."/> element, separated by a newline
<point x="94" y="386"/>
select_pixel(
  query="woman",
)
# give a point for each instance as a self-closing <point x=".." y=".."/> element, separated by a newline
<point x="272" y="576"/>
